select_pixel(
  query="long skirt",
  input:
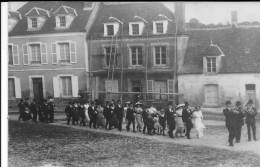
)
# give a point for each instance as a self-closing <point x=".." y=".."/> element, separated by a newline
<point x="139" y="121"/>
<point x="101" y="120"/>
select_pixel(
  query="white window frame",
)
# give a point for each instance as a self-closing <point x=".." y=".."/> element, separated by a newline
<point x="12" y="77"/>
<point x="58" y="51"/>
<point x="59" y="25"/>
<point x="165" y="27"/>
<point x="30" y="53"/>
<point x="130" y="55"/>
<point x="12" y="45"/>
<point x="115" y="29"/>
<point x="153" y="51"/>
<point x="104" y="52"/>
<point x="60" y="84"/>
<point x="31" y="85"/>
<point x="30" y="23"/>
<point x="141" y="27"/>
<point x="211" y="64"/>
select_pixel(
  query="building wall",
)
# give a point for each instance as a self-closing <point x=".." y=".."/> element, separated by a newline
<point x="230" y="87"/>
<point x="50" y="70"/>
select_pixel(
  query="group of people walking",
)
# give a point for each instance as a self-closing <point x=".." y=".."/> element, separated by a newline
<point x="236" y="116"/>
<point x="178" y="120"/>
<point x="41" y="110"/>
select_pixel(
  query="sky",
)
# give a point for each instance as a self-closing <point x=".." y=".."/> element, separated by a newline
<point x="208" y="12"/>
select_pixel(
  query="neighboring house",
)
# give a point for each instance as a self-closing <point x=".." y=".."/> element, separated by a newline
<point x="132" y="47"/>
<point x="220" y="65"/>
<point x="47" y="49"/>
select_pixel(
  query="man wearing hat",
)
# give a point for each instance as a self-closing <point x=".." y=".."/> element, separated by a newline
<point x="170" y="117"/>
<point x="239" y="115"/>
<point x="119" y="109"/>
<point x="250" y="119"/>
<point x="231" y="124"/>
<point x="130" y="116"/>
<point x="186" y="117"/>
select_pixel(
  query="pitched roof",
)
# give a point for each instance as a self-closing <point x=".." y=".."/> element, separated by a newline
<point x="65" y="10"/>
<point x="36" y="11"/>
<point x="126" y="13"/>
<point x="213" y="50"/>
<point x="232" y="41"/>
<point x="78" y="24"/>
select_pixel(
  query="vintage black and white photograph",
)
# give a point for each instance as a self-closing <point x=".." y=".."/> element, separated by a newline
<point x="132" y="84"/>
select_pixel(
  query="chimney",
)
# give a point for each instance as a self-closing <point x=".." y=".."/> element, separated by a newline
<point x="88" y="5"/>
<point x="234" y="18"/>
<point x="180" y="16"/>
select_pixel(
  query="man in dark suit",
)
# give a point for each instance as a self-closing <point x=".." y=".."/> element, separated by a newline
<point x="239" y="116"/>
<point x="250" y="119"/>
<point x="231" y="123"/>
<point x="170" y="117"/>
<point x="119" y="109"/>
<point x="21" y="107"/>
<point x="34" y="110"/>
<point x="92" y="115"/>
<point x="51" y="107"/>
<point x="130" y="116"/>
<point x="186" y="117"/>
<point x="68" y="112"/>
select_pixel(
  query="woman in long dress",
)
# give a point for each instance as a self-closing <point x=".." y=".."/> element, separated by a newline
<point x="139" y="111"/>
<point x="197" y="121"/>
<point x="86" y="106"/>
<point x="100" y="116"/>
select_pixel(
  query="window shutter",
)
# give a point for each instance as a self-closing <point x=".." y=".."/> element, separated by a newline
<point x="15" y="55"/>
<point x="154" y="28"/>
<point x="171" y="86"/>
<point x="56" y="87"/>
<point x="54" y="53"/>
<point x="29" y="21"/>
<point x="25" y="55"/>
<point x="57" y="19"/>
<point x="73" y="57"/>
<point x="149" y="85"/>
<point x="17" y="88"/>
<point x="75" y="86"/>
<point x="204" y="64"/>
<point x="44" y="58"/>
<point x="130" y="29"/>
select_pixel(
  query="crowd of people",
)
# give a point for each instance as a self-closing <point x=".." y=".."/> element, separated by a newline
<point x="178" y="120"/>
<point x="236" y="116"/>
<point x="41" y="110"/>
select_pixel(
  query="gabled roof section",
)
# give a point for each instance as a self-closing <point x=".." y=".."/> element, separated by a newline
<point x="126" y="13"/>
<point x="14" y="14"/>
<point x="232" y="42"/>
<point x="78" y="24"/>
<point x="36" y="12"/>
<point x="213" y="50"/>
<point x="65" y="10"/>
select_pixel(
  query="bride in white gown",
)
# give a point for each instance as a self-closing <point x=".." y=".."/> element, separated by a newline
<point x="197" y="122"/>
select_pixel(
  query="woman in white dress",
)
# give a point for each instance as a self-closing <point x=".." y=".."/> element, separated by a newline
<point x="86" y="106"/>
<point x="179" y="122"/>
<point x="139" y="111"/>
<point x="197" y="121"/>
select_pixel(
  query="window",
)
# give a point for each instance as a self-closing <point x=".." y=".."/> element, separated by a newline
<point x="64" y="52"/>
<point x="35" y="53"/>
<point x="62" y="21"/>
<point x="10" y="55"/>
<point x="66" y="86"/>
<point x="135" y="29"/>
<point x="159" y="27"/>
<point x="110" y="30"/>
<point x="136" y="55"/>
<point x="160" y="55"/>
<point x="250" y="87"/>
<point x="111" y="56"/>
<point x="11" y="88"/>
<point x="34" y="22"/>
<point x="211" y="64"/>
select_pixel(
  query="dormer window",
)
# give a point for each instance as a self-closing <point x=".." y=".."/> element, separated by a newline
<point x="64" y="15"/>
<point x="136" y="28"/>
<point x="111" y="29"/>
<point x="36" y="18"/>
<point x="160" y="27"/>
<point x="62" y="21"/>
<point x="34" y="22"/>
<point x="211" y="64"/>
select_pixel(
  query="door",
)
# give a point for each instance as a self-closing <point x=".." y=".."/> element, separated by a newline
<point x="251" y="92"/>
<point x="160" y="87"/>
<point x="211" y="95"/>
<point x="37" y="88"/>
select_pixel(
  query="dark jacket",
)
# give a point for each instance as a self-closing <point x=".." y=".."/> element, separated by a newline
<point x="119" y="111"/>
<point x="92" y="112"/>
<point x="186" y="115"/>
<point x="250" y="115"/>
<point x="239" y="116"/>
<point x="170" y="116"/>
<point x="130" y="114"/>
<point x="231" y="120"/>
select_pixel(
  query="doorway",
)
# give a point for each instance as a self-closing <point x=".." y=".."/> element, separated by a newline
<point x="37" y="88"/>
<point x="160" y="87"/>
